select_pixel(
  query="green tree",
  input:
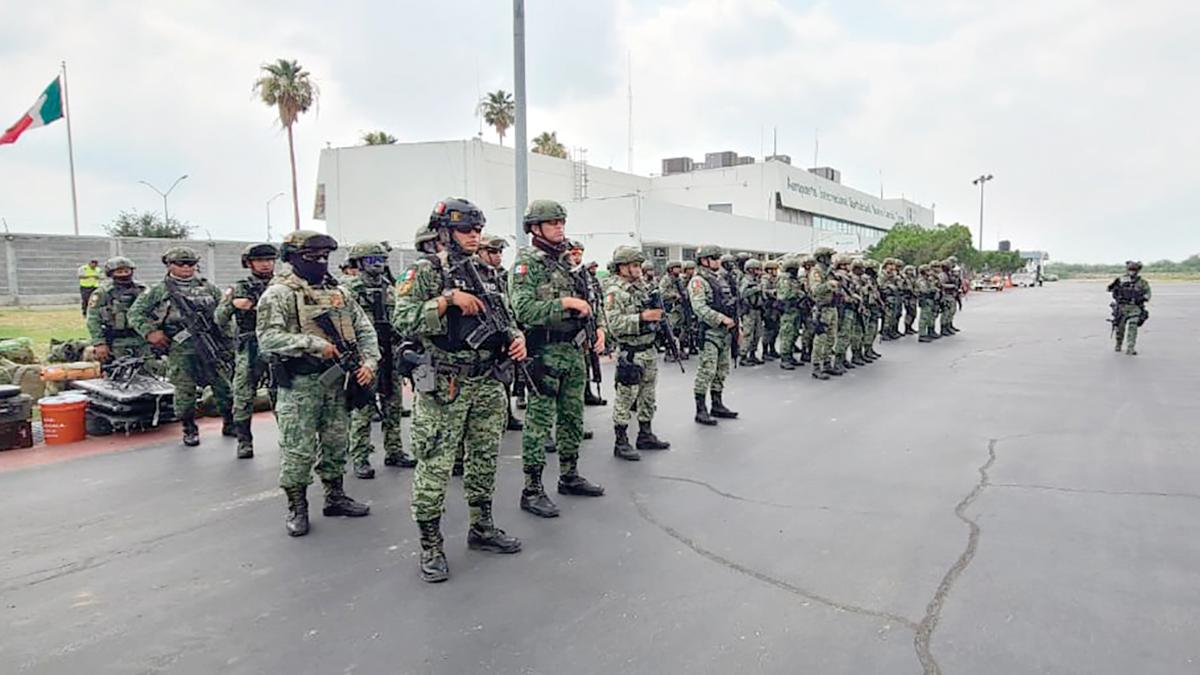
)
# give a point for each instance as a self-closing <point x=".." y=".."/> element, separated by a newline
<point x="289" y="88"/>
<point x="498" y="111"/>
<point x="378" y="138"/>
<point x="147" y="224"/>
<point x="547" y="144"/>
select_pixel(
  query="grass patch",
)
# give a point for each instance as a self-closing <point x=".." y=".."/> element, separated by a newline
<point x="40" y="325"/>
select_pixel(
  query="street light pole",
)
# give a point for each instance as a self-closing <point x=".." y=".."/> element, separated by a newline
<point x="983" y="178"/>
<point x="166" y="215"/>
<point x="277" y="196"/>
<point x="520" y="163"/>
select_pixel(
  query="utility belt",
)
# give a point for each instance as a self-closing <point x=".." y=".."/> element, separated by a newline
<point x="476" y="369"/>
<point x="538" y="338"/>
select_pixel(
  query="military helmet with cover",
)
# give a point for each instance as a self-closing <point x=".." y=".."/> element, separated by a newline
<point x="909" y="269"/>
<point x="728" y="258"/>
<point x="624" y="255"/>
<point x="753" y="264"/>
<point x="822" y="252"/>
<point x="496" y="244"/>
<point x="117" y="262"/>
<point x="689" y="265"/>
<point x="771" y="265"/>
<point x="180" y="254"/>
<point x="258" y="252"/>
<point x="543" y="211"/>
<point x="791" y="262"/>
<point x="1133" y="265"/>
<point x="366" y="248"/>
<point x="672" y="264"/>
<point x="708" y="251"/>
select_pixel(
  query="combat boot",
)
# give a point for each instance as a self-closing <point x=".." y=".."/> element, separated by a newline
<point x="571" y="483"/>
<point x="819" y="373"/>
<point x="806" y="355"/>
<point x="363" y="469"/>
<point x="534" y="498"/>
<point x="433" y="560"/>
<point x="788" y="362"/>
<point x="908" y="330"/>
<point x="228" y="426"/>
<point x="1118" y="347"/>
<point x="405" y="412"/>
<point x="191" y="434"/>
<point x="459" y="467"/>
<point x="646" y="440"/>
<point x="847" y="364"/>
<point x="621" y="446"/>
<point x="835" y="368"/>
<point x="856" y="358"/>
<point x="245" y="447"/>
<point x="592" y="399"/>
<point x="946" y="331"/>
<point x="587" y="434"/>
<point x="745" y="362"/>
<point x="402" y="459"/>
<point x="702" y="416"/>
<point x="873" y="353"/>
<point x="297" y="518"/>
<point x="338" y="503"/>
<point x="550" y="447"/>
<point x="755" y="360"/>
<point x="514" y="424"/>
<point x="718" y="408"/>
<point x="924" y="338"/>
<point x="769" y="354"/>
<point x="485" y="536"/>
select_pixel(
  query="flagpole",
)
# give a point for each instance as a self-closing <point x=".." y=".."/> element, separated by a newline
<point x="70" y="147"/>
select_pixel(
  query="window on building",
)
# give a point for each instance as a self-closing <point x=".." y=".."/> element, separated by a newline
<point x="721" y="208"/>
<point x="689" y="253"/>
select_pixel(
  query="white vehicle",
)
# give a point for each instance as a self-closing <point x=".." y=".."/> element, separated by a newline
<point x="1024" y="279"/>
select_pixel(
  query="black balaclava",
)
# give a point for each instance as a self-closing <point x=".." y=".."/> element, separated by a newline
<point x="312" y="272"/>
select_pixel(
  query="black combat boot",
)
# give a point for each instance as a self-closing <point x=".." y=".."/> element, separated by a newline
<point x="338" y="503"/>
<point x="228" y="426"/>
<point x="363" y="469"/>
<point x="587" y="435"/>
<point x="924" y="338"/>
<point x="646" y="440"/>
<point x="405" y="412"/>
<point x="856" y="358"/>
<point x="908" y="329"/>
<point x="433" y="560"/>
<point x="245" y="448"/>
<point x="847" y="364"/>
<point x="534" y="498"/>
<point x="806" y="355"/>
<point x="788" y="362"/>
<point x="819" y="373"/>
<point x="514" y="424"/>
<point x="1119" y="345"/>
<point x="571" y="483"/>
<point x="297" y="518"/>
<point x="874" y="354"/>
<point x="621" y="447"/>
<point x="191" y="434"/>
<point x="592" y="399"/>
<point x="485" y="536"/>
<point x="835" y="367"/>
<point x="702" y="416"/>
<point x="459" y="467"/>
<point x="769" y="354"/>
<point x="718" y="408"/>
<point x="402" y="459"/>
<point x="550" y="447"/>
<point x="946" y="331"/>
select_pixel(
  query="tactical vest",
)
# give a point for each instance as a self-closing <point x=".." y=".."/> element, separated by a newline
<point x="196" y="291"/>
<point x="251" y="288"/>
<point x="1129" y="291"/>
<point x="723" y="299"/>
<point x="311" y="302"/>
<point x="458" y="325"/>
<point x="114" y="313"/>
<point x="377" y="302"/>
<point x="561" y="284"/>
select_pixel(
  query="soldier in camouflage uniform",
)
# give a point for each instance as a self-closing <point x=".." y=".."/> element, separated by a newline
<point x="751" y="296"/>
<point x="789" y="293"/>
<point x="873" y="300"/>
<point x="491" y="252"/>
<point x="1130" y="293"/>
<point x="649" y="272"/>
<point x="909" y="289"/>
<point x="551" y="305"/>
<point x="374" y="290"/>
<point x="822" y="288"/>
<point x="890" y="293"/>
<point x="462" y="395"/>
<point x="715" y="303"/>
<point x="156" y="319"/>
<point x="807" y="326"/>
<point x="673" y="290"/>
<point x="312" y="417"/>
<point x="240" y="304"/>
<point x="772" y="310"/>
<point x="108" y="323"/>
<point x="949" y="295"/>
<point x="927" y="293"/>
<point x="849" y="333"/>
<point x="633" y="326"/>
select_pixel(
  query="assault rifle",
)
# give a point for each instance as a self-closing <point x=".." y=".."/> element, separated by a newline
<point x="663" y="326"/>
<point x="735" y="346"/>
<point x="494" y="321"/>
<point x="1115" y="318"/>
<point x="344" y="371"/>
<point x="210" y="341"/>
<point x="690" y="323"/>
<point x="122" y="371"/>
<point x="385" y="382"/>
<point x="583" y="288"/>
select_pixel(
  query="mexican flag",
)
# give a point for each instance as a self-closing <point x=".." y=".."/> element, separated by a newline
<point x="47" y="108"/>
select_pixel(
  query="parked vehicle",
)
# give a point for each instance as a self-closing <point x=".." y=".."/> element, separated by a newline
<point x="987" y="282"/>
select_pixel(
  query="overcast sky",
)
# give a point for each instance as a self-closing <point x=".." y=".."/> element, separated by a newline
<point x="1084" y="111"/>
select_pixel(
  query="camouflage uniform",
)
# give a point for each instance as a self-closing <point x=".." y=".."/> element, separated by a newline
<point x="751" y="297"/>
<point x="927" y="292"/>
<point x="312" y="417"/>
<point x="539" y="281"/>
<point x="821" y="289"/>
<point x="108" y="315"/>
<point x="791" y="297"/>
<point x="909" y="293"/>
<point x="249" y="368"/>
<point x="949" y="296"/>
<point x="772" y="311"/>
<point x="713" y="300"/>
<point x="372" y="288"/>
<point x="637" y="361"/>
<point x="154" y="311"/>
<point x="890" y="291"/>
<point x="874" y="309"/>
<point x="1130" y="294"/>
<point x="847" y="346"/>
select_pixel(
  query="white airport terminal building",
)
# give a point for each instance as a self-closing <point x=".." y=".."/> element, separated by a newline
<point x="384" y="192"/>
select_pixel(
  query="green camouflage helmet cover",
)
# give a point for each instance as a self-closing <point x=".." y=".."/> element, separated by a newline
<point x="648" y="265"/>
<point x="309" y="240"/>
<point x="179" y="254"/>
<point x="909" y="269"/>
<point x="117" y="262"/>
<point x="791" y="263"/>
<point x="672" y="264"/>
<point x="753" y="264"/>
<point x="708" y="251"/>
<point x="771" y="265"/>
<point x="624" y="255"/>
<point x="366" y="248"/>
<point x="823" y="252"/>
<point x="1134" y="265"/>
<point x="728" y="258"/>
<point x="689" y="265"/>
<point x="808" y="260"/>
<point x="494" y="244"/>
<point x="857" y="263"/>
<point x="543" y="211"/>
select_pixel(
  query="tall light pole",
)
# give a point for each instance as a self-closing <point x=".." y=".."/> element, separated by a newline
<point x="983" y="178"/>
<point x="166" y="216"/>
<point x="277" y="196"/>
<point x="522" y="144"/>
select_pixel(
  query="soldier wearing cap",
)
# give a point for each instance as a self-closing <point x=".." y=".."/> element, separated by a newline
<point x="108" y="313"/>
<point x="715" y="303"/>
<point x="240" y="305"/>
<point x="1130" y="293"/>
<point x="158" y="319"/>
<point x="312" y="417"/>
<point x="552" y="306"/>
<point x="633" y="325"/>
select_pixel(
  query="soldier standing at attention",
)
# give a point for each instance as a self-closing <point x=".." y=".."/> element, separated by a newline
<point x="240" y="303"/>
<point x="771" y="309"/>
<point x="674" y="293"/>
<point x="889" y="291"/>
<point x="491" y="252"/>
<point x="157" y="318"/>
<point x="909" y="290"/>
<point x="927" y="292"/>
<point x="849" y="332"/>
<point x="789" y="294"/>
<point x="633" y="326"/>
<point x="108" y="313"/>
<point x="751" y="296"/>
<point x="374" y="289"/>
<point x="312" y="417"/>
<point x="715" y="303"/>
<point x="1130" y="292"/>
<point x="949" y="295"/>
<point x="874" y="309"/>
<point x="822" y="288"/>
<point x="550" y="302"/>
<point x="462" y="401"/>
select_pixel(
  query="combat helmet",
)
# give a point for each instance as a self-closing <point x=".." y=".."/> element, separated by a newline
<point x="909" y="269"/>
<point x="455" y="212"/>
<point x="306" y="240"/>
<point x="424" y="236"/>
<point x="671" y="264"/>
<point x="771" y="265"/>
<point x="923" y="268"/>
<point x="543" y="211"/>
<point x="365" y="248"/>
<point x="807" y="259"/>
<point x="728" y="258"/>
<point x="753" y="264"/>
<point x="708" y="251"/>
<point x="689" y="265"/>
<point x="117" y="262"/>
<point x="494" y="244"/>
<point x="822" y="252"/>
<point x="857" y="263"/>
<point x="1133" y="265"/>
<point x="180" y="254"/>
<point x="648" y="265"/>
<point x="258" y="252"/>
<point x="790" y="263"/>
<point x="575" y="245"/>
<point x="625" y="255"/>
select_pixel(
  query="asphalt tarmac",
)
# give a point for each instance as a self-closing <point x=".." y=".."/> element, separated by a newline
<point x="1015" y="499"/>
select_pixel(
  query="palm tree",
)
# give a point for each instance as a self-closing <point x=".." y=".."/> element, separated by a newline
<point x="547" y="144"/>
<point x="378" y="138"/>
<point x="498" y="111"/>
<point x="286" y="85"/>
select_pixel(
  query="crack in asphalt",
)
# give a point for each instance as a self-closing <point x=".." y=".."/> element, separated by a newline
<point x="728" y="495"/>
<point x="933" y="612"/>
<point x="1087" y="491"/>
<point x="645" y="514"/>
